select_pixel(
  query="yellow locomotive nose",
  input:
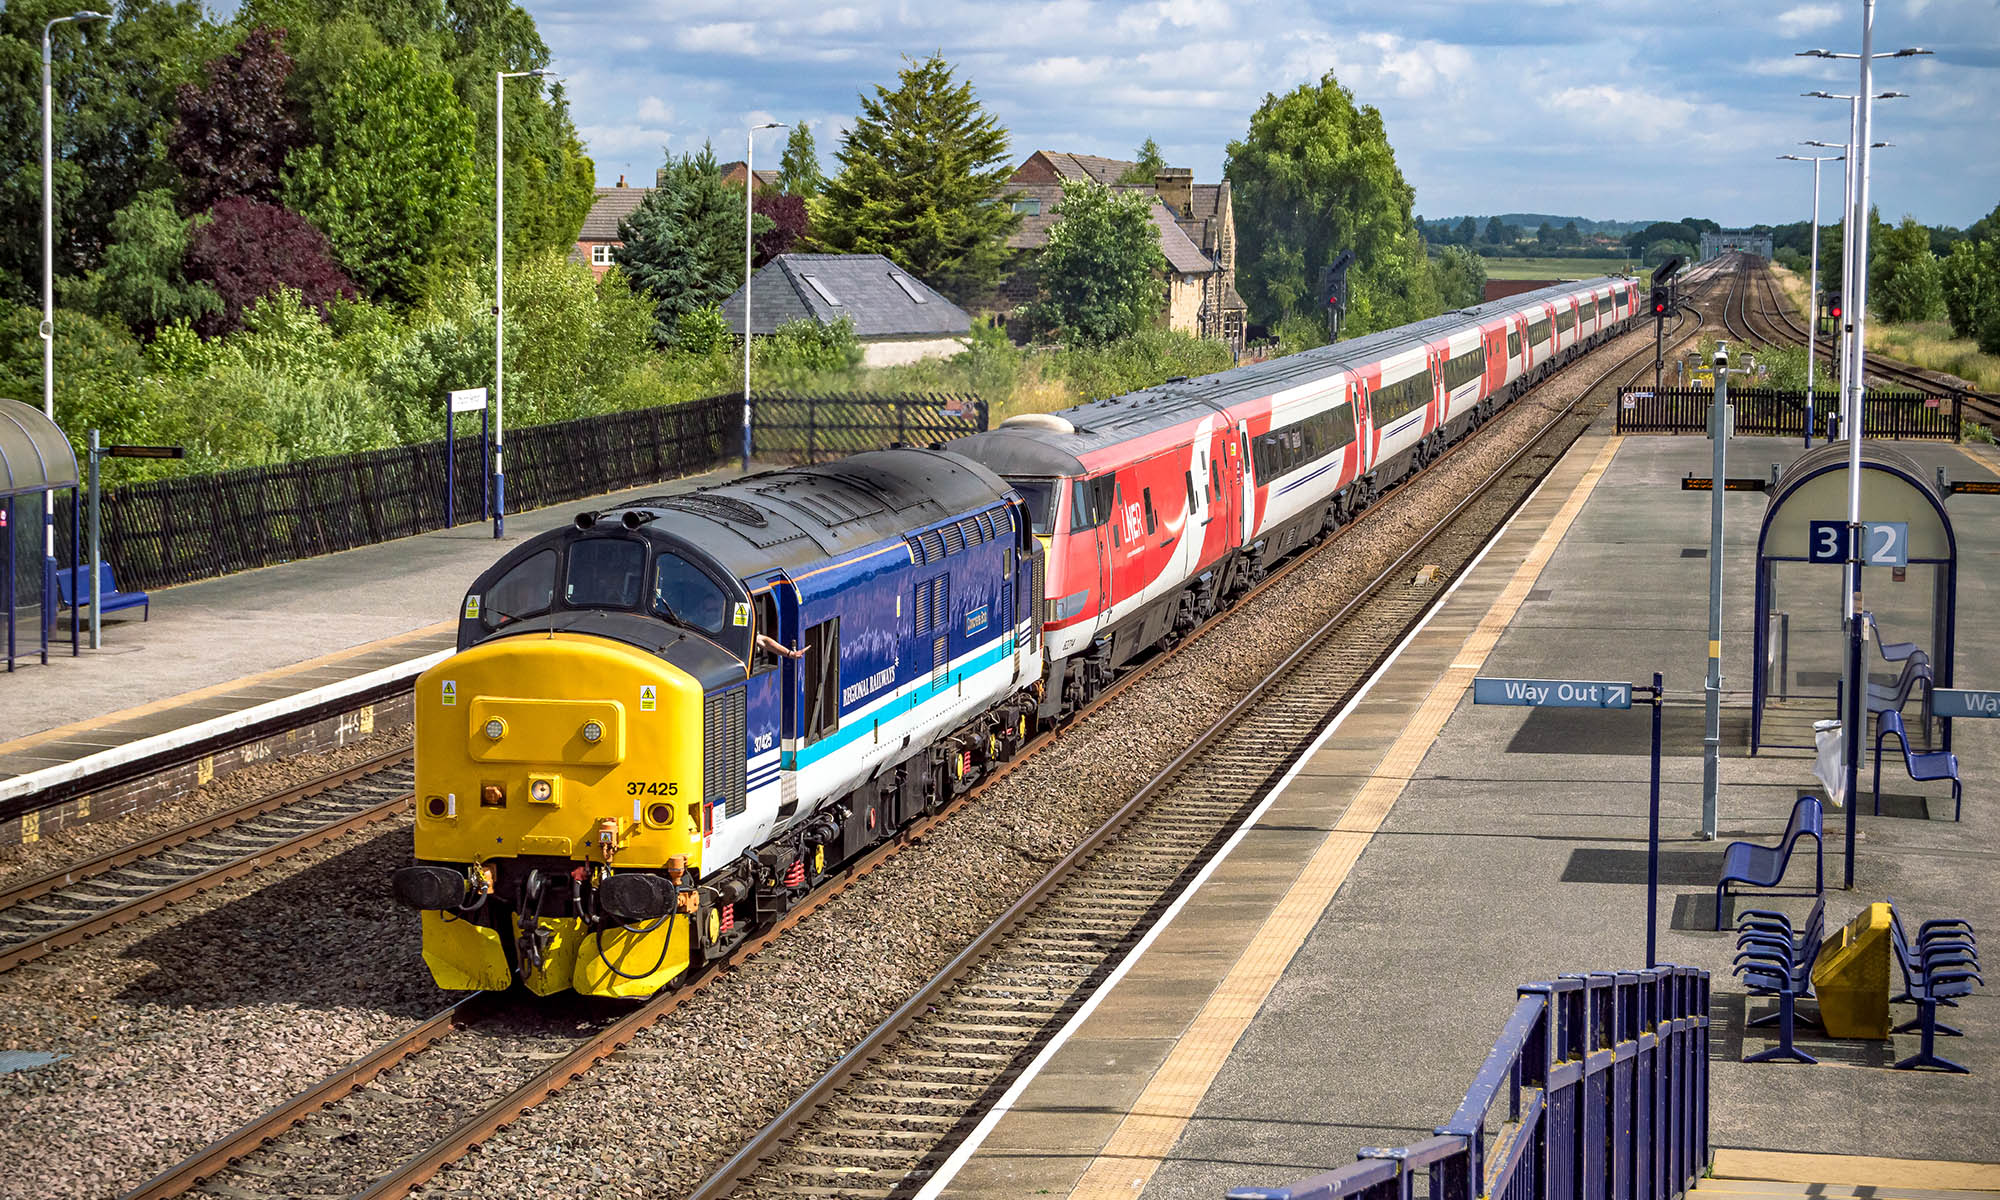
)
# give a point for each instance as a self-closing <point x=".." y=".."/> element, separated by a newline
<point x="547" y="766"/>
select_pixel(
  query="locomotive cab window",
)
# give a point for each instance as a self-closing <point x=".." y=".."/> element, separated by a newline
<point x="1091" y="501"/>
<point x="525" y="591"/>
<point x="764" y="611"/>
<point x="604" y="573"/>
<point x="1038" y="496"/>
<point x="684" y="594"/>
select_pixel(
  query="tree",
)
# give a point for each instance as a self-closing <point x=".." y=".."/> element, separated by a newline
<point x="922" y="174"/>
<point x="684" y="243"/>
<point x="234" y="131"/>
<point x="112" y="80"/>
<point x="395" y="189"/>
<point x="142" y="282"/>
<point x="1145" y="171"/>
<point x="1570" y="235"/>
<point x="789" y="223"/>
<point x="249" y="249"/>
<point x="1100" y="273"/>
<point x="1313" y="176"/>
<point x="1467" y="232"/>
<point x="1903" y="283"/>
<point x="1970" y="280"/>
<point x="1545" y="236"/>
<point x="1461" y="278"/>
<point x="1660" y="251"/>
<point x="1498" y="232"/>
<point x="798" y="170"/>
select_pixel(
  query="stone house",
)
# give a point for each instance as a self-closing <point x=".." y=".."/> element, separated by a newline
<point x="897" y="317"/>
<point x="1201" y="300"/>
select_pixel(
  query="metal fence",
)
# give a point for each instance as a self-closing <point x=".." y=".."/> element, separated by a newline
<point x="1596" y="1090"/>
<point x="1770" y="412"/>
<point x="801" y="428"/>
<point x="178" y="530"/>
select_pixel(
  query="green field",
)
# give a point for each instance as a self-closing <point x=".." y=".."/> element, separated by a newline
<point x="1560" y="268"/>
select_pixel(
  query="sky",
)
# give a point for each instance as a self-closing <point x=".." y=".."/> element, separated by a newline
<point x="1608" y="110"/>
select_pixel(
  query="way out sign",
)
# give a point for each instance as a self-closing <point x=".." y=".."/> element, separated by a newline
<point x="1551" y="693"/>
<point x="1962" y="702"/>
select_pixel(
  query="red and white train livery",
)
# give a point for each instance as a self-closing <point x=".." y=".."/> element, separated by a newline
<point x="1159" y="506"/>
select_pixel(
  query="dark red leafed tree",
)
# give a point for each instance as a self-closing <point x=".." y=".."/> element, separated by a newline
<point x="231" y="134"/>
<point x="789" y="223"/>
<point x="251" y="249"/>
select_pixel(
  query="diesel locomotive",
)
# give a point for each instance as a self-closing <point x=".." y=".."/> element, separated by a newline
<point x="667" y="722"/>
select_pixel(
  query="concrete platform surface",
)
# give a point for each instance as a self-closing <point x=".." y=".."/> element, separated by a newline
<point x="1512" y="848"/>
<point x="222" y="644"/>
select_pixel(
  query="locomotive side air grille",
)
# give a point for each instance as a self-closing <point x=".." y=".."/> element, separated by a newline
<point x="985" y="528"/>
<point x="1041" y="582"/>
<point x="969" y="530"/>
<point x="737" y="764"/>
<point x="933" y="546"/>
<point x="923" y="608"/>
<point x="941" y="602"/>
<point x="1003" y="522"/>
<point x="715" y="748"/>
<point x="917" y="555"/>
<point x="954" y="541"/>
<point x="938" y="673"/>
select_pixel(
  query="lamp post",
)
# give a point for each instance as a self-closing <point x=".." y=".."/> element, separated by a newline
<point x="48" y="330"/>
<point x="1855" y="277"/>
<point x="1812" y="292"/>
<point x="500" y="79"/>
<point x="1848" y="235"/>
<point x="749" y="195"/>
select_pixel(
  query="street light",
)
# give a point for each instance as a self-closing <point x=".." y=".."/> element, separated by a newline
<point x="500" y="79"/>
<point x="1812" y="292"/>
<point x="749" y="192"/>
<point x="1855" y="313"/>
<point x="48" y="330"/>
<point x="1848" y="185"/>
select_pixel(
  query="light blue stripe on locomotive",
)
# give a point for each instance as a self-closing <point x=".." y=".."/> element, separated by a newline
<point x="908" y="699"/>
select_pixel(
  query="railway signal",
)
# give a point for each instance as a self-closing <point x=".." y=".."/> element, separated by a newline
<point x="1662" y="306"/>
<point x="1333" y="291"/>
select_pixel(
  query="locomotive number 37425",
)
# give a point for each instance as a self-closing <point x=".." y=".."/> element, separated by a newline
<point x="637" y="788"/>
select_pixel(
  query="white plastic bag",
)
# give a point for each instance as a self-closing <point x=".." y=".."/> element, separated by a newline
<point x="1830" y="768"/>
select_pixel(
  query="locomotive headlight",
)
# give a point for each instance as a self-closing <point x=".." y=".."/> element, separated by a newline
<point x="540" y="790"/>
<point x="495" y="729"/>
<point x="592" y="732"/>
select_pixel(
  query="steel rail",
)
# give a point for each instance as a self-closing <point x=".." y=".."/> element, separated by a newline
<point x="782" y="1129"/>
<point x="201" y="827"/>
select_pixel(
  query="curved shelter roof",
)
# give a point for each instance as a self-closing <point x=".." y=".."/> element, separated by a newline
<point x="1893" y="488"/>
<point x="34" y="454"/>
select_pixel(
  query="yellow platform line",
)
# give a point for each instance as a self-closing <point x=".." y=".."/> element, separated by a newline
<point x="1853" y="1170"/>
<point x="219" y="689"/>
<point x="1141" y="1142"/>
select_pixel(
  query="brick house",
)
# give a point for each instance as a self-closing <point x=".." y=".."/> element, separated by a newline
<point x="732" y="174"/>
<point x="599" y="235"/>
<point x="1201" y="299"/>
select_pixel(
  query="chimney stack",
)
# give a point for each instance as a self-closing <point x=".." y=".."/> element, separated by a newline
<point x="1176" y="188"/>
<point x="621" y="181"/>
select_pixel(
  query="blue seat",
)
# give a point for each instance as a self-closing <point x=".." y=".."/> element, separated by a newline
<point x="1891" y="651"/>
<point x="71" y="585"/>
<point x="1763" y="866"/>
<point x="1927" y="767"/>
<point x="1945" y="936"/>
<point x="1916" y="670"/>
<point x="1773" y="960"/>
<point x="1933" y="974"/>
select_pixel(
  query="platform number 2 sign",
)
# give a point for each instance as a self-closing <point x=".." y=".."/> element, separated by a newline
<point x="1883" y="543"/>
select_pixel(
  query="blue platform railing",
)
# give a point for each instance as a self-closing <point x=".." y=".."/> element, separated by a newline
<point x="1596" y="1090"/>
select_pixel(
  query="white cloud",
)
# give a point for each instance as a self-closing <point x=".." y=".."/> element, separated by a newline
<point x="1807" y="18"/>
<point x="655" y="111"/>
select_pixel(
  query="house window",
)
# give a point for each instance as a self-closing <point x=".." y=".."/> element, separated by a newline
<point x="909" y="287"/>
<point x="812" y="281"/>
<point x="600" y="254"/>
<point x="1028" y="208"/>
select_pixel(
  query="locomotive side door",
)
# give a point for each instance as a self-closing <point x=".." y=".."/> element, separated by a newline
<point x="1242" y="485"/>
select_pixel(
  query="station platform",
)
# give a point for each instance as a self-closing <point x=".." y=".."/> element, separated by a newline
<point x="1340" y="977"/>
<point x="332" y="634"/>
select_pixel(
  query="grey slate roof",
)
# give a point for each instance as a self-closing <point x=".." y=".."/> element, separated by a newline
<point x="1087" y="166"/>
<point x="867" y="291"/>
<point x="613" y="205"/>
<point x="1183" y="256"/>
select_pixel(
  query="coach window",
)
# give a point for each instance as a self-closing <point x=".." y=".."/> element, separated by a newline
<point x="525" y="591"/>
<point x="604" y="573"/>
<point x="1513" y="343"/>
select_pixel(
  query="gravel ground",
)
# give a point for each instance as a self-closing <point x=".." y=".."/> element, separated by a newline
<point x="20" y="863"/>
<point x="192" y="1021"/>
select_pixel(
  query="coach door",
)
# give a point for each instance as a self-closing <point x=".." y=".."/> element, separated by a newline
<point x="1241" y="485"/>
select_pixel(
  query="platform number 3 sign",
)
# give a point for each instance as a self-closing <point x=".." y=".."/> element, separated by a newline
<point x="1883" y="543"/>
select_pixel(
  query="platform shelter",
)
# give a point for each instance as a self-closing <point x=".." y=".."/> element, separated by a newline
<point x="1800" y="622"/>
<point x="35" y="459"/>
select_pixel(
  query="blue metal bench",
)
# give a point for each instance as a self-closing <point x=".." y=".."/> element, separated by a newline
<point x="68" y="591"/>
<point x="1933" y="975"/>
<point x="1916" y="670"/>
<point x="1952" y="933"/>
<point x="1763" y="866"/>
<point x="1928" y="767"/>
<point x="1891" y="651"/>
<point x="1773" y="960"/>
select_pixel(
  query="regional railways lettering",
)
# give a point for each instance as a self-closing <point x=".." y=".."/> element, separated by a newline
<point x="855" y="691"/>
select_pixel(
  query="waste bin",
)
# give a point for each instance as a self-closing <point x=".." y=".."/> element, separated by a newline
<point x="1852" y="977"/>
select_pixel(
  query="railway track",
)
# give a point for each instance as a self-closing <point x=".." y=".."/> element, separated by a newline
<point x="259" y="1158"/>
<point x="83" y="899"/>
<point x="892" y="1110"/>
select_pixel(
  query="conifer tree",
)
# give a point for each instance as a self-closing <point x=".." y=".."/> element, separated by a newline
<point x="1147" y="169"/>
<point x="798" y="171"/>
<point x="921" y="176"/>
<point x="684" y="243"/>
